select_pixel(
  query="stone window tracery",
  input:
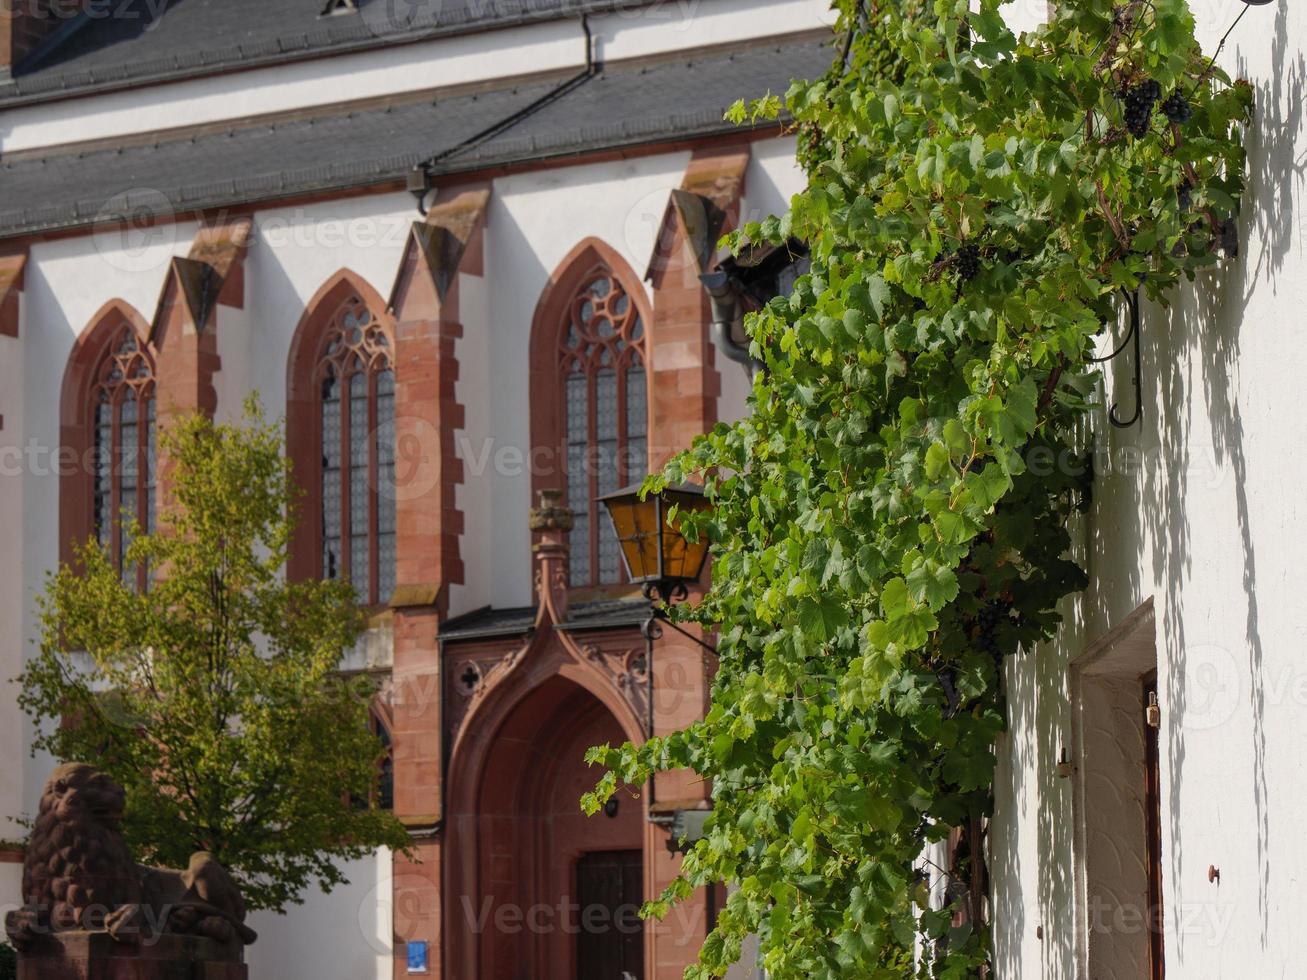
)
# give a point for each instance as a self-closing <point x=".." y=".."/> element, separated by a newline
<point x="122" y="424"/>
<point x="602" y="364"/>
<point x="355" y="383"/>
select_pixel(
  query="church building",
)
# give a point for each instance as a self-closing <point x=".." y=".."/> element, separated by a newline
<point x="461" y="247"/>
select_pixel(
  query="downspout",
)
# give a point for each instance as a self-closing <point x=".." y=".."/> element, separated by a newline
<point x="420" y="178"/>
<point x="725" y="301"/>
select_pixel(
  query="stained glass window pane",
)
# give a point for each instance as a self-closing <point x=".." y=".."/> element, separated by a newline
<point x="331" y="495"/>
<point x="102" y="496"/>
<point x="578" y="476"/>
<point x="360" y="499"/>
<point x="605" y="409"/>
<point x="122" y="423"/>
<point x="150" y="475"/>
<point x="637" y="421"/>
<point x="385" y="485"/>
<point x="606" y="465"/>
<point x="128" y="466"/>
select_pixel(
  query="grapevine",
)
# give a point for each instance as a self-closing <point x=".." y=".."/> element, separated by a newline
<point x="887" y="535"/>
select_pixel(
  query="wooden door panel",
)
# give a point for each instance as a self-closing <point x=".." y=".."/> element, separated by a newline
<point x="610" y="944"/>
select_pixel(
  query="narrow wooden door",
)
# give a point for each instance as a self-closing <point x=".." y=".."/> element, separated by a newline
<point x="609" y="890"/>
<point x="1153" y="818"/>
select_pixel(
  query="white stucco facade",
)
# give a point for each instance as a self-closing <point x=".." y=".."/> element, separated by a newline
<point x="1195" y="513"/>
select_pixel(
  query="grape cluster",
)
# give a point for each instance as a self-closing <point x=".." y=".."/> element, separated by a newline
<point x="1228" y="237"/>
<point x="1176" y="108"/>
<point x="987" y="620"/>
<point x="948" y="681"/>
<point x="1184" y="194"/>
<point x="1139" y="102"/>
<point x="968" y="262"/>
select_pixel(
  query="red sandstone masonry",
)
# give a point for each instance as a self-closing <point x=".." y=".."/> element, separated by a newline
<point x="11" y="285"/>
<point x="429" y="527"/>
<point x="684" y="393"/>
<point x="184" y="332"/>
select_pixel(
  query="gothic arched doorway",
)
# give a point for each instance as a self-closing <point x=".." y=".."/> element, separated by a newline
<point x="543" y="892"/>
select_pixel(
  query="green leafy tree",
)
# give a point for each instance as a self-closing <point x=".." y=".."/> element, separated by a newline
<point x="890" y="522"/>
<point x="212" y="696"/>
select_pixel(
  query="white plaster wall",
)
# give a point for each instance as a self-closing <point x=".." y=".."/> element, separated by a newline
<point x="772" y="178"/>
<point x="12" y="586"/>
<point x="234" y="330"/>
<point x="1199" y="508"/>
<point x="549" y="46"/>
<point x="11" y="887"/>
<point x="343" y="935"/>
<point x="475" y="445"/>
<point x="295" y="252"/>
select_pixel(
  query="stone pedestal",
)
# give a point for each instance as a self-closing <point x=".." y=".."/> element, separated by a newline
<point x="95" y="956"/>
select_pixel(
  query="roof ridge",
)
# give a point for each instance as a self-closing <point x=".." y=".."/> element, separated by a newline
<point x="684" y="98"/>
<point x="332" y="111"/>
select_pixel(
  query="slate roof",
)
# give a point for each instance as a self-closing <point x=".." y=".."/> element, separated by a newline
<point x="253" y="162"/>
<point x="136" y="42"/>
<point x="491" y="622"/>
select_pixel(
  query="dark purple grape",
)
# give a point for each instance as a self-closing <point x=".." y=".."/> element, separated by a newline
<point x="1184" y="194"/>
<point x="1139" y="102"/>
<point x="1229" y="237"/>
<point x="968" y="262"/>
<point x="1176" y="108"/>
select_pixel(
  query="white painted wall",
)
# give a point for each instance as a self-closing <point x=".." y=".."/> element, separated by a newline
<point x="295" y="252"/>
<point x="1200" y="509"/>
<point x="13" y="463"/>
<point x="344" y="935"/>
<point x="550" y="46"/>
<point x="477" y="389"/>
<point x="772" y="178"/>
<point x="11" y="887"/>
<point x="67" y="282"/>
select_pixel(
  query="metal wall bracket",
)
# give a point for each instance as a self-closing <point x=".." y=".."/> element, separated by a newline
<point x="1131" y="339"/>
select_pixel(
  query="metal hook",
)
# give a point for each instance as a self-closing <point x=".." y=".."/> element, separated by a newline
<point x="1131" y="337"/>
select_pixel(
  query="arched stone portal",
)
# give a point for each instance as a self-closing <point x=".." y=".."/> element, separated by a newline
<point x="520" y="841"/>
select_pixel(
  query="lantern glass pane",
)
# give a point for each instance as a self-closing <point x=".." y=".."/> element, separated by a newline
<point x="682" y="559"/>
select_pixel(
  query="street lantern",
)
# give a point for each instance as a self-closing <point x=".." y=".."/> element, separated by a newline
<point x="661" y="560"/>
<point x="658" y="555"/>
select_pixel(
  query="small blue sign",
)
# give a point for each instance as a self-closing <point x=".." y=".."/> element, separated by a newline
<point x="417" y="956"/>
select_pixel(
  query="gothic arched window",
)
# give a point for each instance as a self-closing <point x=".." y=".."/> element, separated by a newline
<point x="122" y="425"/>
<point x="604" y="419"/>
<point x="354" y="381"/>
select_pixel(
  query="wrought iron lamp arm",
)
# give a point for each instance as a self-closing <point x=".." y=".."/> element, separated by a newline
<point x="652" y="628"/>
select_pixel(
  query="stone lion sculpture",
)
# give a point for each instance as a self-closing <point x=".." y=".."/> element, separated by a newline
<point x="79" y="875"/>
